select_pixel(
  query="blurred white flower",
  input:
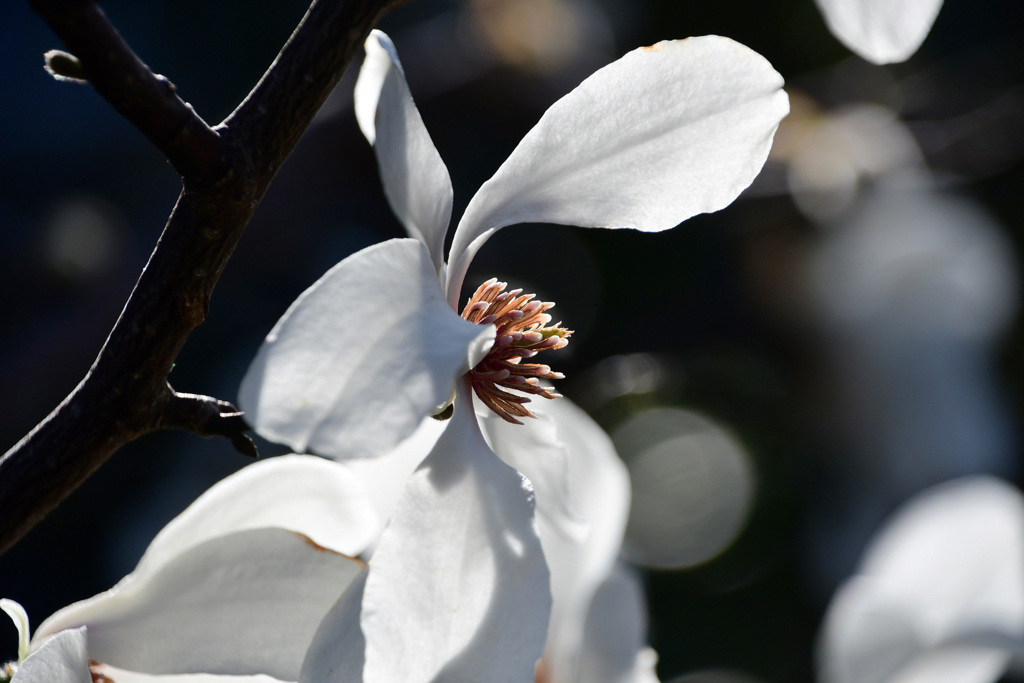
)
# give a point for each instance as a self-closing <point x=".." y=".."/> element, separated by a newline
<point x="880" y="31"/>
<point x="834" y="158"/>
<point x="544" y="35"/>
<point x="939" y="596"/>
<point x="912" y="290"/>
<point x="375" y="345"/>
<point x="236" y="585"/>
<point x="915" y="263"/>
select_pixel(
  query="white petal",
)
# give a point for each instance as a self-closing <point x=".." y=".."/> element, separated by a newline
<point x="613" y="649"/>
<point x="246" y="603"/>
<point x="665" y="133"/>
<point x="880" y="31"/>
<point x="62" y="659"/>
<point x="870" y="637"/>
<point x="416" y="181"/>
<point x="600" y="493"/>
<point x="865" y="637"/>
<point x="947" y="570"/>
<point x="362" y="356"/>
<point x="338" y="651"/>
<point x="322" y="500"/>
<point x="535" y="450"/>
<point x="384" y="478"/>
<point x="956" y="554"/>
<point x="458" y="588"/>
<point x="956" y="665"/>
<point x="645" y="669"/>
<point x="124" y="676"/>
<point x="20" y="618"/>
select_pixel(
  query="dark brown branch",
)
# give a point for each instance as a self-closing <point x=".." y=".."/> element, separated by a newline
<point x="202" y="415"/>
<point x="226" y="171"/>
<point x="207" y="416"/>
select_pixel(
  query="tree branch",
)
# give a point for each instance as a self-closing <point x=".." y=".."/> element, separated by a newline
<point x="225" y="171"/>
<point x="147" y="100"/>
<point x="207" y="416"/>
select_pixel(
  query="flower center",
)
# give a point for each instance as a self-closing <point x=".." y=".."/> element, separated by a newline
<point x="523" y="332"/>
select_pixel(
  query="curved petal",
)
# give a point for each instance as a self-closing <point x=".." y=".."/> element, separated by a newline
<point x="384" y="478"/>
<point x="61" y="659"/>
<point x="246" y="603"/>
<point x="338" y="651"/>
<point x="322" y="500"/>
<point x="869" y="637"/>
<point x="115" y="675"/>
<point x="415" y="179"/>
<point x="458" y="585"/>
<point x="535" y="450"/>
<point x="613" y="649"/>
<point x="665" y="133"/>
<point x="946" y="572"/>
<point x="362" y="356"/>
<point x="865" y="638"/>
<point x="601" y="494"/>
<point x="20" y="618"/>
<point x="880" y="31"/>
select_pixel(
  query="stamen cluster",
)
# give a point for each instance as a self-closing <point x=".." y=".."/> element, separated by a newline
<point x="523" y="332"/>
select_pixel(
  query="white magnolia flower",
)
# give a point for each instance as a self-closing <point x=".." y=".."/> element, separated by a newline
<point x="880" y="31"/>
<point x="235" y="585"/>
<point x="376" y="345"/>
<point x="939" y="597"/>
<point x="597" y="627"/>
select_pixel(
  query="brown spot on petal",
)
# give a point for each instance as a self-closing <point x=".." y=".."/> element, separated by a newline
<point x="98" y="676"/>
<point x="541" y="672"/>
<point x="309" y="541"/>
<point x="316" y="546"/>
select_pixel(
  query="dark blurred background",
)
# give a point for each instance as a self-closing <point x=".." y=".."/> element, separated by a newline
<point x="779" y="376"/>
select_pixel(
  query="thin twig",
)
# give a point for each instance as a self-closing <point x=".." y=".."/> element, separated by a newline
<point x="225" y="172"/>
<point x="148" y="100"/>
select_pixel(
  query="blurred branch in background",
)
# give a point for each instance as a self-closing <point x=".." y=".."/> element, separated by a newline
<point x="225" y="171"/>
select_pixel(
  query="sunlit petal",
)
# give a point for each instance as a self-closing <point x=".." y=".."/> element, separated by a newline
<point x="384" y="478"/>
<point x="362" y="356"/>
<point x="537" y="451"/>
<point x="246" y="603"/>
<point x="937" y="585"/>
<point x="320" y="499"/>
<point x="20" y="618"/>
<point x="458" y="584"/>
<point x="600" y="494"/>
<point x="416" y="181"/>
<point x="666" y="132"/>
<point x="880" y="31"/>
<point x="338" y="651"/>
<point x="612" y="649"/>
<point x="116" y="675"/>
<point x="62" y="659"/>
